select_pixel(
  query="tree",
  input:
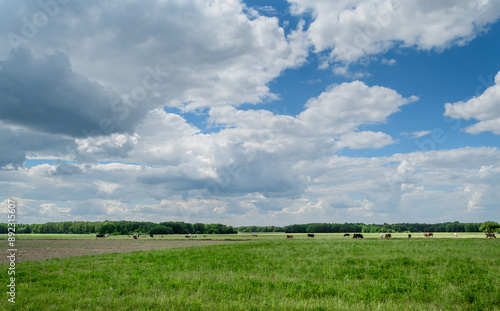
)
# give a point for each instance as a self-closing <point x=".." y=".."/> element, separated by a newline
<point x="107" y="228"/>
<point x="490" y="226"/>
<point x="160" y="229"/>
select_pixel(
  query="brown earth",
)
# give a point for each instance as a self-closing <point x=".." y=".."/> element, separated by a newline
<point x="40" y="249"/>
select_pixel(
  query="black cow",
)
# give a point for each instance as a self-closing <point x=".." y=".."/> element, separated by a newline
<point x="409" y="236"/>
<point x="357" y="236"/>
<point x="347" y="234"/>
<point x="310" y="235"/>
<point x="151" y="235"/>
<point x="100" y="236"/>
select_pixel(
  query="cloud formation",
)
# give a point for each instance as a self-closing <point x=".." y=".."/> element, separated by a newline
<point x="485" y="108"/>
<point x="121" y="110"/>
<point x="59" y="100"/>
<point x="351" y="30"/>
<point x="190" y="55"/>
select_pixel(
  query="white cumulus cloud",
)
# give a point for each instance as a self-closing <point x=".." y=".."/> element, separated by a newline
<point x="353" y="29"/>
<point x="485" y="108"/>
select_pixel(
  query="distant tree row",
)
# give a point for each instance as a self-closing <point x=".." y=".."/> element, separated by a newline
<point x="171" y="227"/>
<point x="260" y="229"/>
<point x="121" y="227"/>
<point x="363" y="228"/>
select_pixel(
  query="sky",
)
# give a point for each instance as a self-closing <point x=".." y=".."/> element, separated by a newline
<point x="250" y="112"/>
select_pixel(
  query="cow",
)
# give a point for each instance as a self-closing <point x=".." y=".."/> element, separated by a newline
<point x="409" y="236"/>
<point x="100" y="236"/>
<point x="151" y="235"/>
<point x="310" y="235"/>
<point x="106" y="235"/>
<point x="490" y="235"/>
<point x="455" y="235"/>
<point x="289" y="236"/>
<point x="136" y="237"/>
<point x="254" y="235"/>
<point x="381" y="235"/>
<point x="188" y="236"/>
<point x="388" y="235"/>
<point x="357" y="236"/>
<point x="347" y="234"/>
<point x="428" y="234"/>
<point x="204" y="236"/>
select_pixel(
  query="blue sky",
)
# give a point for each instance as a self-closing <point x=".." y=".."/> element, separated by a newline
<point x="251" y="113"/>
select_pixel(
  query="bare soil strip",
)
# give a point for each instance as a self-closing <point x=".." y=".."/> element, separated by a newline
<point x="32" y="250"/>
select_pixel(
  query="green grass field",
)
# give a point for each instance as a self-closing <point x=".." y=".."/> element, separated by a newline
<point x="271" y="273"/>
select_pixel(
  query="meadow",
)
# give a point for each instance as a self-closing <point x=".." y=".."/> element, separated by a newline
<point x="268" y="272"/>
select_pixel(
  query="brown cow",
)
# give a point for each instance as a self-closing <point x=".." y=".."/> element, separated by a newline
<point x="490" y="235"/>
<point x="388" y="235"/>
<point x="310" y="235"/>
<point x="288" y="236"/>
<point x="428" y="234"/>
<point x="254" y="235"/>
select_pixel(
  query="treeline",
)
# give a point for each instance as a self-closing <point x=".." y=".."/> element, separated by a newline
<point x="141" y="227"/>
<point x="121" y="227"/>
<point x="363" y="228"/>
<point x="260" y="229"/>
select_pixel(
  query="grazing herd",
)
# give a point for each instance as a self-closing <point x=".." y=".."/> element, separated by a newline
<point x="388" y="235"/>
<point x="310" y="235"/>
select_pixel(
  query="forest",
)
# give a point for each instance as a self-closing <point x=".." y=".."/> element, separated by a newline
<point x="121" y="228"/>
<point x="130" y="227"/>
<point x="364" y="228"/>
